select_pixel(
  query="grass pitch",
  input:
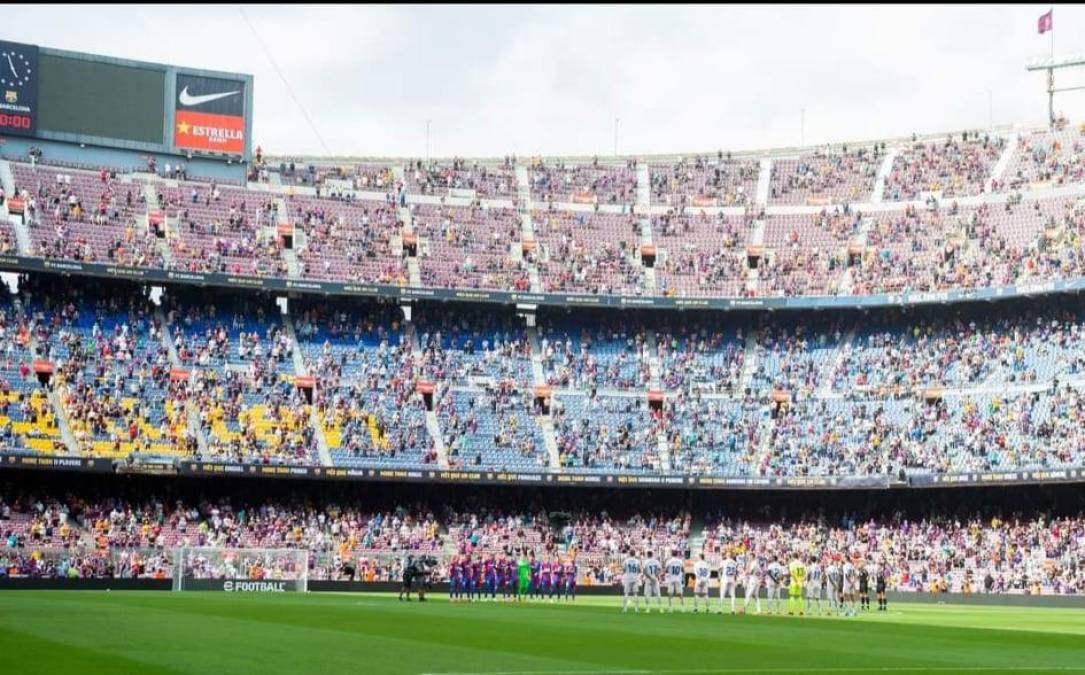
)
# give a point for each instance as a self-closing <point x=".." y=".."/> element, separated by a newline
<point x="71" y="633"/>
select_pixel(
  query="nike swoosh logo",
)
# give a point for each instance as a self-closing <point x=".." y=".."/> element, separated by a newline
<point x="188" y="99"/>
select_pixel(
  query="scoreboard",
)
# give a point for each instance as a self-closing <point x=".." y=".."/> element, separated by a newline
<point x="101" y="99"/>
<point x="97" y="100"/>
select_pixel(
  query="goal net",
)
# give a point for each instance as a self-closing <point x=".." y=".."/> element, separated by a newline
<point x="241" y="570"/>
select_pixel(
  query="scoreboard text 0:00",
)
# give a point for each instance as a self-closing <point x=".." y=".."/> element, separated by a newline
<point x="15" y="121"/>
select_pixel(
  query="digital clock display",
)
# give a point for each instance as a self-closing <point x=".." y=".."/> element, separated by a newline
<point x="15" y="121"/>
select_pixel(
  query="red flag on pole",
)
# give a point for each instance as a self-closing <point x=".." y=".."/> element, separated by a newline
<point x="1046" y="22"/>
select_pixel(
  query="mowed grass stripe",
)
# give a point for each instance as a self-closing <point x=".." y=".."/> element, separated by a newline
<point x="300" y="633"/>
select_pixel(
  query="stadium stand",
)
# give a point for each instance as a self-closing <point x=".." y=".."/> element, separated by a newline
<point x="832" y="177"/>
<point x="469" y="247"/>
<point x="702" y="181"/>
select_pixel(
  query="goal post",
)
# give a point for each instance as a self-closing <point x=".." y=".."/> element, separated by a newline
<point x="241" y="570"/>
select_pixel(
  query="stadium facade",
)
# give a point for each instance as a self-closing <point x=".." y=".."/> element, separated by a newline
<point x="184" y="316"/>
<point x="638" y="291"/>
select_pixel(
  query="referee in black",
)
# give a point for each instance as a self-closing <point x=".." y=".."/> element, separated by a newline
<point x="879" y="586"/>
<point x="864" y="588"/>
<point x="408" y="578"/>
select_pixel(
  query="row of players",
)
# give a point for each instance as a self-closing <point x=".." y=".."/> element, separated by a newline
<point x="842" y="581"/>
<point x="527" y="577"/>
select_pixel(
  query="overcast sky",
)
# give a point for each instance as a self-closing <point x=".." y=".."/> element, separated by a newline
<point x="552" y="80"/>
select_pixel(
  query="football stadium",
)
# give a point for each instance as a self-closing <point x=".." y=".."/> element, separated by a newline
<point x="808" y="404"/>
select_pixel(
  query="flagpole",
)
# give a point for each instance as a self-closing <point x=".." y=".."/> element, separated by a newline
<point x="1051" y="73"/>
<point x="1051" y="10"/>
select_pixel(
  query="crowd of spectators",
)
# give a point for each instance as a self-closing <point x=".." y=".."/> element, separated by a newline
<point x="485" y="181"/>
<point x="592" y="183"/>
<point x="704" y="181"/>
<point x="933" y="243"/>
<point x="996" y="549"/>
<point x="953" y="167"/>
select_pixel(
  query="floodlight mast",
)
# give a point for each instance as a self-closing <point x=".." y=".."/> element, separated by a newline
<point x="1051" y="64"/>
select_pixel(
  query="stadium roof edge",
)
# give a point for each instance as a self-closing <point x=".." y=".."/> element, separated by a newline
<point x="119" y="60"/>
<point x="776" y="153"/>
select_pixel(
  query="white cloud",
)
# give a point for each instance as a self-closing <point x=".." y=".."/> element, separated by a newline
<point x="551" y="80"/>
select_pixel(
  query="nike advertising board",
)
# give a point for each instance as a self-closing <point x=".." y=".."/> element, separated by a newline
<point x="209" y="114"/>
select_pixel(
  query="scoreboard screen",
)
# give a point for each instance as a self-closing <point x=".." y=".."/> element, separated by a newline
<point x="71" y="97"/>
<point x="106" y="100"/>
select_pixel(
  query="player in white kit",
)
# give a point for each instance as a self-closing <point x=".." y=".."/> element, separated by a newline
<point x="652" y="572"/>
<point x="676" y="581"/>
<point x="836" y="584"/>
<point x="851" y="587"/>
<point x="774" y="579"/>
<point x="631" y="573"/>
<point x="754" y="575"/>
<point x="701" y="574"/>
<point x="728" y="580"/>
<point x="814" y="585"/>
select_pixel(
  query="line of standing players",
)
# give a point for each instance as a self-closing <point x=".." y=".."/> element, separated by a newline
<point x="844" y="582"/>
<point x="525" y="578"/>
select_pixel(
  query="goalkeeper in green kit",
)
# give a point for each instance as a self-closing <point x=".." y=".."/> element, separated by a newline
<point x="523" y="572"/>
<point x="797" y="569"/>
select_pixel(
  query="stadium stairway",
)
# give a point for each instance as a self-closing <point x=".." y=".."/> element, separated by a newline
<point x="150" y="193"/>
<point x="764" y="448"/>
<point x="1003" y="162"/>
<point x="523" y="187"/>
<point x="883" y="174"/>
<point x="195" y="429"/>
<point x="7" y="179"/>
<point x="289" y="255"/>
<point x="22" y="235"/>
<point x="646" y="240"/>
<point x="698" y="528"/>
<point x="527" y="226"/>
<point x="846" y="277"/>
<point x="545" y="422"/>
<point x="826" y="388"/>
<point x="526" y="230"/>
<point x="56" y="395"/>
<point x="654" y="368"/>
<point x="764" y="177"/>
<point x="644" y="188"/>
<point x="757" y="238"/>
<point x="301" y="370"/>
<point x="414" y="275"/>
<point x="749" y="361"/>
<point x="433" y="425"/>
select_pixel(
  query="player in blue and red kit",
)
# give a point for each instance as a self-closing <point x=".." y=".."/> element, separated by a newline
<point x="536" y="577"/>
<point x="455" y="580"/>
<point x="556" y="583"/>
<point x="508" y="578"/>
<point x="474" y="579"/>
<point x="489" y="576"/>
<point x="544" y="580"/>
<point x="570" y="580"/>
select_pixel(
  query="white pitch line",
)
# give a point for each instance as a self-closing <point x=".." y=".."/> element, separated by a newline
<point x="888" y="669"/>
